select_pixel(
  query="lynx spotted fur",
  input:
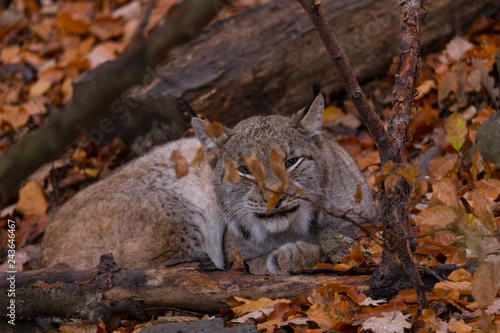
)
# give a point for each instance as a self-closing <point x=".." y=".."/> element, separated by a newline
<point x="145" y="216"/>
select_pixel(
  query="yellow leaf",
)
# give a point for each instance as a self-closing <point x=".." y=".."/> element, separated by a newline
<point x="231" y="174"/>
<point x="456" y="130"/>
<point x="180" y="164"/>
<point x="31" y="199"/>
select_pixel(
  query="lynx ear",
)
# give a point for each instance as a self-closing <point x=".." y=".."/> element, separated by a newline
<point x="313" y="119"/>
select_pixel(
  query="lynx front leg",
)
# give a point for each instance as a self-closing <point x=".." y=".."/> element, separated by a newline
<point x="290" y="257"/>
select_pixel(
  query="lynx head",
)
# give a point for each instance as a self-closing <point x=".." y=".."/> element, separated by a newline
<point x="299" y="142"/>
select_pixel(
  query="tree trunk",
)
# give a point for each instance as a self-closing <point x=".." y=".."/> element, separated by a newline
<point x="108" y="289"/>
<point x="263" y="60"/>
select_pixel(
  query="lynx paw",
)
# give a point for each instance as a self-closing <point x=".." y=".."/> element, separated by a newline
<point x="292" y="257"/>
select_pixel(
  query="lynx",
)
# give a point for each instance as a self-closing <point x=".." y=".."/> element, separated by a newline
<point x="145" y="216"/>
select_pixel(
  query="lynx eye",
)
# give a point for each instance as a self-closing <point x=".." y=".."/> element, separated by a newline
<point x="291" y="162"/>
<point x="244" y="170"/>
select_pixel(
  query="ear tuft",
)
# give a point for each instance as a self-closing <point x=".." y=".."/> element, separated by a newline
<point x="188" y="107"/>
<point x="313" y="119"/>
<point x="317" y="86"/>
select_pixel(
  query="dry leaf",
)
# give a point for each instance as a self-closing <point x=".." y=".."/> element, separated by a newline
<point x="358" y="195"/>
<point x="31" y="200"/>
<point x="485" y="283"/>
<point x="390" y="322"/>
<point x="483" y="211"/>
<point x="250" y="305"/>
<point x="444" y="191"/>
<point x="456" y="130"/>
<point x="14" y="115"/>
<point x="436" y="217"/>
<point x="213" y="130"/>
<point x="273" y="200"/>
<point x="460" y="275"/>
<point x="257" y="170"/>
<point x="231" y="174"/>
<point x="278" y="167"/>
<point x="104" y="52"/>
<point x="199" y="157"/>
<point x="180" y="163"/>
<point x="457" y="47"/>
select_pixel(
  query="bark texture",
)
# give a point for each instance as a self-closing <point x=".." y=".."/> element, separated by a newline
<point x="108" y="289"/>
<point x="263" y="61"/>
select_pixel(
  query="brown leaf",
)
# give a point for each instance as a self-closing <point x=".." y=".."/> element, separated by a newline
<point x="213" y="130"/>
<point x="274" y="198"/>
<point x="257" y="170"/>
<point x="67" y="23"/>
<point x="14" y="115"/>
<point x="231" y="174"/>
<point x="485" y="283"/>
<point x="436" y="217"/>
<point x="104" y="52"/>
<point x="278" y="168"/>
<point x="441" y="166"/>
<point x="180" y="163"/>
<point x="370" y="158"/>
<point x="199" y="157"/>
<point x="444" y="191"/>
<point x="483" y="211"/>
<point x="358" y="195"/>
<point x="31" y="200"/>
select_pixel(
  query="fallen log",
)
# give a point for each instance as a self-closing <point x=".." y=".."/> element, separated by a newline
<point x="263" y="60"/>
<point x="109" y="289"/>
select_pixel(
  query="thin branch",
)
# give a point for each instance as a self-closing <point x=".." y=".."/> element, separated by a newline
<point x="110" y="81"/>
<point x="377" y="131"/>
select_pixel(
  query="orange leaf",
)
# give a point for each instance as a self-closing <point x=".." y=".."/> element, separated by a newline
<point x="31" y="200"/>
<point x="278" y="168"/>
<point x="483" y="211"/>
<point x="180" y="163"/>
<point x="199" y="157"/>
<point x="231" y="174"/>
<point x="213" y="130"/>
<point x="257" y="170"/>
<point x="39" y="88"/>
<point x="15" y="115"/>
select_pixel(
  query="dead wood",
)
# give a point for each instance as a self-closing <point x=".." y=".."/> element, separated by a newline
<point x="91" y="103"/>
<point x="108" y="289"/>
<point x="263" y="60"/>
